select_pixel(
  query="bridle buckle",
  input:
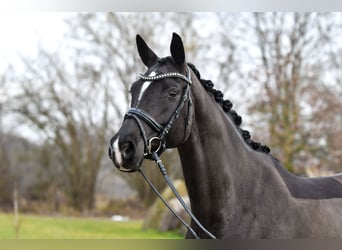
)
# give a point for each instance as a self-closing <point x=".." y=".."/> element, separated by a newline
<point x="149" y="145"/>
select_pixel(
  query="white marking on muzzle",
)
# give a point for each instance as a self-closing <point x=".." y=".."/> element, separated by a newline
<point x="117" y="153"/>
<point x="145" y="86"/>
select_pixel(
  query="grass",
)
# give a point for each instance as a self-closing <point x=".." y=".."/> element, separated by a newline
<point x="43" y="227"/>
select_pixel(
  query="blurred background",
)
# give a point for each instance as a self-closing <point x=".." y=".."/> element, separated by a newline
<point x="64" y="81"/>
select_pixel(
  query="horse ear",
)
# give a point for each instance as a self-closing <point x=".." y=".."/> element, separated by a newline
<point x="177" y="49"/>
<point x="146" y="54"/>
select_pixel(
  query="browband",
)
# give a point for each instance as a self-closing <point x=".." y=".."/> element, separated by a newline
<point x="186" y="78"/>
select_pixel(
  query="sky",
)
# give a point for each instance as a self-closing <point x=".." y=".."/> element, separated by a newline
<point x="20" y="33"/>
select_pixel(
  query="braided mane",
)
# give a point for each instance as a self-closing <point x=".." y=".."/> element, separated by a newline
<point x="227" y="108"/>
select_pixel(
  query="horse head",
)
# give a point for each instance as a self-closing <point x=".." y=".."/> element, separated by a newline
<point x="160" y="115"/>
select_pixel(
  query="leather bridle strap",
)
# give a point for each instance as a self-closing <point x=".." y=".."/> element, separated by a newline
<point x="155" y="190"/>
<point x="146" y="118"/>
<point x="162" y="169"/>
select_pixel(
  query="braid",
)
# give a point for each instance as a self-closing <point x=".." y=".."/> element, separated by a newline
<point x="227" y="108"/>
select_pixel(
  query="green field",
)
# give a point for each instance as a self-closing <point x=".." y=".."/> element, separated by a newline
<point x="41" y="227"/>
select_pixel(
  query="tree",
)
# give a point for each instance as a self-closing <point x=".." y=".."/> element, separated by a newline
<point x="62" y="103"/>
<point x="288" y="67"/>
<point x="6" y="184"/>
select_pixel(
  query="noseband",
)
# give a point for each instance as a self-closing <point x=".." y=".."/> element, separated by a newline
<point x="139" y="114"/>
<point x="153" y="153"/>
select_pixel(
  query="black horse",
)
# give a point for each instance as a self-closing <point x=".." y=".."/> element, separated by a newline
<point x="236" y="188"/>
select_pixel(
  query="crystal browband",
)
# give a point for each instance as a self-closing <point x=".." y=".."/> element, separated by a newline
<point x="167" y="75"/>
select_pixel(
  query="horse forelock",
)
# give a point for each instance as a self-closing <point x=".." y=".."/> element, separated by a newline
<point x="226" y="106"/>
<point x="165" y="60"/>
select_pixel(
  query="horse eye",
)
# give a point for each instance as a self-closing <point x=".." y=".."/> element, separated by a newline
<point x="173" y="93"/>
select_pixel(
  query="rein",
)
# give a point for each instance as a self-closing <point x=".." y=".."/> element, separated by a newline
<point x="153" y="152"/>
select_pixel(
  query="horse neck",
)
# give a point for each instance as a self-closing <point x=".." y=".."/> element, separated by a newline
<point x="215" y="160"/>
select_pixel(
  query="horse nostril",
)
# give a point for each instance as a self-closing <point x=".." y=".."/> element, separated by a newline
<point x="110" y="153"/>
<point x="127" y="150"/>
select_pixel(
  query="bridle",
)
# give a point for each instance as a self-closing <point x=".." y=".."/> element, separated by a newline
<point x="153" y="153"/>
<point x="139" y="114"/>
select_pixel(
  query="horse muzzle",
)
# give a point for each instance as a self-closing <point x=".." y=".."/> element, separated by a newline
<point x="125" y="154"/>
